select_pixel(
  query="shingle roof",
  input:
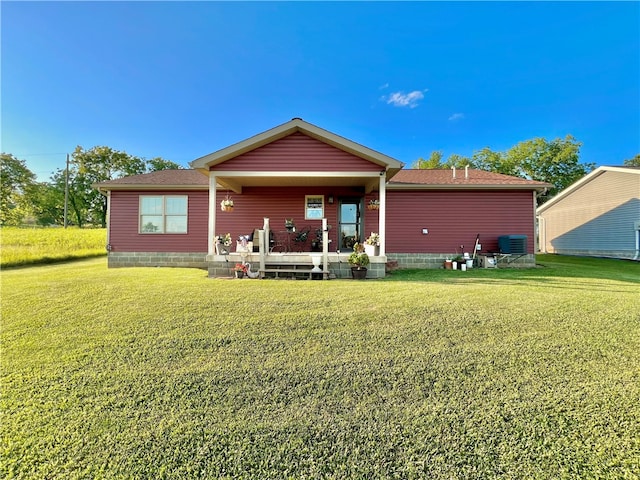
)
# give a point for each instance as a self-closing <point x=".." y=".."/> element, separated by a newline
<point x="185" y="178"/>
<point x="475" y="179"/>
<point x="193" y="179"/>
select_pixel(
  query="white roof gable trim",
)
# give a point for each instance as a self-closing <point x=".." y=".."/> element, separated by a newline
<point x="281" y="131"/>
<point x="583" y="181"/>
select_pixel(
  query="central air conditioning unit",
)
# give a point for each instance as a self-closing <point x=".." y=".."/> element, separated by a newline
<point x="513" y="244"/>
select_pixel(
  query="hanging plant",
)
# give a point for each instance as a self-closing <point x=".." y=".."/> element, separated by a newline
<point x="373" y="205"/>
<point x="226" y="205"/>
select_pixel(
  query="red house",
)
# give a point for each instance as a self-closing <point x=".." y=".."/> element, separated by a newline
<point x="334" y="191"/>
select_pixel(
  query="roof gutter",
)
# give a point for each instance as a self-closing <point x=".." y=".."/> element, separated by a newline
<point x="424" y="186"/>
<point x="124" y="187"/>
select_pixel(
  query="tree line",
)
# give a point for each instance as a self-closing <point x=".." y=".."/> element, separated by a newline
<point x="24" y="200"/>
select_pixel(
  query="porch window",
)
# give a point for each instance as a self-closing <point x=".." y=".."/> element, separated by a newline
<point x="313" y="207"/>
<point x="163" y="214"/>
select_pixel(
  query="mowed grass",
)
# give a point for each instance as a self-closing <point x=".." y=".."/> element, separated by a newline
<point x="164" y="373"/>
<point x="28" y="246"/>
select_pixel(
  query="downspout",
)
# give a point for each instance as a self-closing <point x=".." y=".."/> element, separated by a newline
<point x="540" y="226"/>
<point x="536" y="225"/>
<point x="108" y="221"/>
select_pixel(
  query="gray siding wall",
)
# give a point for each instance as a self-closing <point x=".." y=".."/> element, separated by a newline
<point x="600" y="218"/>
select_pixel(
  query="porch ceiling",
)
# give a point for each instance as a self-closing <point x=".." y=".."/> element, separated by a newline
<point x="236" y="183"/>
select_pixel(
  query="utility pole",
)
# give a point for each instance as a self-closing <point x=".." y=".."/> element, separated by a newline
<point x="66" y="193"/>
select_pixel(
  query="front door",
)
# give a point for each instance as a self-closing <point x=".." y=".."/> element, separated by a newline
<point x="350" y="223"/>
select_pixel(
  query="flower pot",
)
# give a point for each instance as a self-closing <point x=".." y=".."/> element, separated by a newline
<point x="372" y="250"/>
<point x="448" y="265"/>
<point x="373" y="207"/>
<point x="226" y="208"/>
<point x="358" y="273"/>
<point x="239" y="274"/>
<point x="222" y="249"/>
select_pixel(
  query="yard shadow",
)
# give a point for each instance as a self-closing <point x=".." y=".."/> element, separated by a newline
<point x="548" y="269"/>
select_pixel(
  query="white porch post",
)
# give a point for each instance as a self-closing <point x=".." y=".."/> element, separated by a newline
<point x="264" y="244"/>
<point x="213" y="202"/>
<point x="382" y="215"/>
<point x="325" y="248"/>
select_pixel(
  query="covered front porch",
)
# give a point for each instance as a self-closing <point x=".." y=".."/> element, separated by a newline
<point x="261" y="261"/>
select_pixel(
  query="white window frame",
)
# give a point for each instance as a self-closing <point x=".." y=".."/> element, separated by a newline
<point x="318" y="212"/>
<point x="165" y="217"/>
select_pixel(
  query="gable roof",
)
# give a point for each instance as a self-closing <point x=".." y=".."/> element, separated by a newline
<point x="298" y="125"/>
<point x="586" y="179"/>
<point x="464" y="179"/>
<point x="161" y="180"/>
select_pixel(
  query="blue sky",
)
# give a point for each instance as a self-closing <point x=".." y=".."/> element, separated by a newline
<point x="180" y="80"/>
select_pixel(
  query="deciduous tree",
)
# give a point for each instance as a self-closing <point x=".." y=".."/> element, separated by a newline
<point x="158" y="163"/>
<point x="434" y="161"/>
<point x="632" y="162"/>
<point x="16" y="181"/>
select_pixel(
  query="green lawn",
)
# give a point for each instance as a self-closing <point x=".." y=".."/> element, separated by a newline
<point x="164" y="373"/>
<point x="28" y="246"/>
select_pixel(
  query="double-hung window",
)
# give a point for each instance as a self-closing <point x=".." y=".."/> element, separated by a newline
<point x="163" y="214"/>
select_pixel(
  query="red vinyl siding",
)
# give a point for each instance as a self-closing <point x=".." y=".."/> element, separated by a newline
<point x="300" y="153"/>
<point x="123" y="224"/>
<point x="255" y="203"/>
<point x="452" y="218"/>
<point x="455" y="218"/>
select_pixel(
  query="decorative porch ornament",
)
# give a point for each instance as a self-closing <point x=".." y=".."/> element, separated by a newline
<point x="290" y="225"/>
<point x="226" y="205"/>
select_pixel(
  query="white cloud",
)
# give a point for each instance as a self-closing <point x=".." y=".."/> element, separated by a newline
<point x="382" y="87"/>
<point x="456" y="116"/>
<point x="401" y="99"/>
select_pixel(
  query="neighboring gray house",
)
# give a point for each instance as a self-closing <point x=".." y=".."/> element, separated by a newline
<point x="597" y="216"/>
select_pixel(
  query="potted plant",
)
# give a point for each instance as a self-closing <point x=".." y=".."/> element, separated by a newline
<point x="373" y="204"/>
<point x="372" y="245"/>
<point x="223" y="242"/>
<point x="240" y="269"/>
<point x="226" y="205"/>
<point x="457" y="262"/>
<point x="448" y="264"/>
<point x="358" y="261"/>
